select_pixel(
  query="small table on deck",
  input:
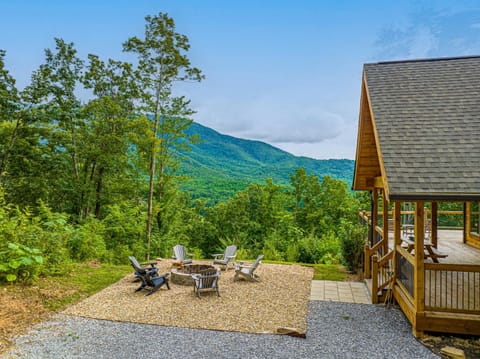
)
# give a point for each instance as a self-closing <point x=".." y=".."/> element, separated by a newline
<point x="429" y="250"/>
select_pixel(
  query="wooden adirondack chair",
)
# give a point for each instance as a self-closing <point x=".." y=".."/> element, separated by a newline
<point x="225" y="258"/>
<point x="180" y="254"/>
<point x="140" y="268"/>
<point x="206" y="280"/>
<point x="245" y="271"/>
<point x="149" y="277"/>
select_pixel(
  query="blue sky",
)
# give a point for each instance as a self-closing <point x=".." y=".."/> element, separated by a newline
<point x="284" y="72"/>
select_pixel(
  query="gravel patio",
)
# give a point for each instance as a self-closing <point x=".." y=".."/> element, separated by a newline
<point x="280" y="299"/>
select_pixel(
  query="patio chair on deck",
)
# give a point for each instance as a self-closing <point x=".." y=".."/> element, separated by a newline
<point x="225" y="258"/>
<point x="180" y="254"/>
<point x="206" y="280"/>
<point x="149" y="277"/>
<point x="243" y="270"/>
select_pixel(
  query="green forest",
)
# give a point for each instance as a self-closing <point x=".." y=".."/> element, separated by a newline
<point x="102" y="179"/>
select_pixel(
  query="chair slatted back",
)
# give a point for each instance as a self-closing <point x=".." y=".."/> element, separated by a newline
<point x="257" y="262"/>
<point x="208" y="278"/>
<point x="179" y="252"/>
<point x="138" y="268"/>
<point x="230" y="251"/>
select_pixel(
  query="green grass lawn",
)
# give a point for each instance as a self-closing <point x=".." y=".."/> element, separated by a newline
<point x="322" y="271"/>
<point x="329" y="272"/>
<point x="84" y="280"/>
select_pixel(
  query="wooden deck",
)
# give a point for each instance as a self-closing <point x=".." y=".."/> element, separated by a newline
<point x="450" y="299"/>
<point x="451" y="243"/>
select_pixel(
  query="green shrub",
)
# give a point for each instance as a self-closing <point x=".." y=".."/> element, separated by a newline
<point x="52" y="239"/>
<point x="325" y="250"/>
<point x="124" y="232"/>
<point x="86" y="242"/>
<point x="353" y="238"/>
<point x="270" y="251"/>
<point x="292" y="253"/>
<point x="19" y="263"/>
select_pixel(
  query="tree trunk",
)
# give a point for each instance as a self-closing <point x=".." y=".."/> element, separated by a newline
<point x="150" y="186"/>
<point x="74" y="149"/>
<point x="98" y="193"/>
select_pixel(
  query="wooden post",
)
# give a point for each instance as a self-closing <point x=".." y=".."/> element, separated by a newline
<point x="367" y="260"/>
<point x="467" y="227"/>
<point x="419" y="269"/>
<point x="385" y="224"/>
<point x="374" y="279"/>
<point x="397" y="216"/>
<point x="375" y="215"/>
<point x="434" y="222"/>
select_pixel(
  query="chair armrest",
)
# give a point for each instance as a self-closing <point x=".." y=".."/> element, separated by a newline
<point x="231" y="257"/>
<point x="152" y="272"/>
<point x="152" y="264"/>
<point x="217" y="255"/>
<point x="245" y="265"/>
<point x="189" y="255"/>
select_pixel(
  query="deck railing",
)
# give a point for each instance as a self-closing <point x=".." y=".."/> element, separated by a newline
<point x="405" y="271"/>
<point x="382" y="274"/>
<point x="377" y="269"/>
<point x="452" y="287"/>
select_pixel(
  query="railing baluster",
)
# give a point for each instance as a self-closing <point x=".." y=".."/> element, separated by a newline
<point x="468" y="290"/>
<point x="456" y="302"/>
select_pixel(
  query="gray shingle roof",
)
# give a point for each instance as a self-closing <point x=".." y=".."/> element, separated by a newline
<point x="427" y="114"/>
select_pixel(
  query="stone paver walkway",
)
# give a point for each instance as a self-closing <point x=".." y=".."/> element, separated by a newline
<point x="347" y="292"/>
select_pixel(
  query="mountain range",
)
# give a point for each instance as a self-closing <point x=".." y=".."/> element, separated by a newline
<point x="221" y="165"/>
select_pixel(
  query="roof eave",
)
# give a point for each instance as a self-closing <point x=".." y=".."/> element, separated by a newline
<point x="457" y="197"/>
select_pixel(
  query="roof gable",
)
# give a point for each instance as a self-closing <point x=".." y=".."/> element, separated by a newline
<point x="427" y="118"/>
<point x="367" y="162"/>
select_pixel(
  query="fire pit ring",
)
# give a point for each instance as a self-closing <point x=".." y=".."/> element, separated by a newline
<point x="183" y="274"/>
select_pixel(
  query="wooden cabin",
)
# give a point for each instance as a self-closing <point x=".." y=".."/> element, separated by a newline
<point x="419" y="144"/>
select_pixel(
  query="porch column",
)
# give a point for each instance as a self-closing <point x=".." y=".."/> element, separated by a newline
<point x="467" y="225"/>
<point x="374" y="215"/>
<point x="397" y="214"/>
<point x="434" y="229"/>
<point x="385" y="224"/>
<point x="419" y="273"/>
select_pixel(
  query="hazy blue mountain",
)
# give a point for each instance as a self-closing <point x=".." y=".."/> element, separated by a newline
<point x="221" y="165"/>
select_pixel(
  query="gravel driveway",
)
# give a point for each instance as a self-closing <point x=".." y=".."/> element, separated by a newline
<point x="334" y="330"/>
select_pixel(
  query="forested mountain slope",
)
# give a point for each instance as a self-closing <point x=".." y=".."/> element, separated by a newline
<point x="221" y="165"/>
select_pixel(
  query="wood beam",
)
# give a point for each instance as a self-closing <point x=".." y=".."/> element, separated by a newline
<point x="375" y="133"/>
<point x="385" y="223"/>
<point x="397" y="213"/>
<point x="419" y="273"/>
<point x="397" y="224"/>
<point x="466" y="221"/>
<point x="374" y="212"/>
<point x="434" y="223"/>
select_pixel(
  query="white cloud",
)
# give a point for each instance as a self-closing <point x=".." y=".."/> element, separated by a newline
<point x="272" y="120"/>
<point x="340" y="147"/>
<point x="423" y="43"/>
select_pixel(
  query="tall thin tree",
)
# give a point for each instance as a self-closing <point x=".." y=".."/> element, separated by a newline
<point x="162" y="61"/>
